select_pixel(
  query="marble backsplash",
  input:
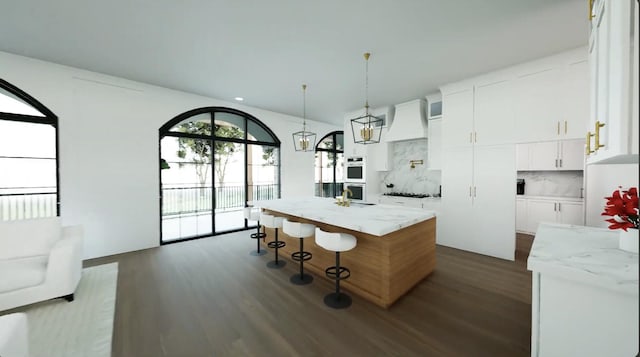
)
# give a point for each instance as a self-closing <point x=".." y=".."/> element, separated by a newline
<point x="403" y="177"/>
<point x="552" y="183"/>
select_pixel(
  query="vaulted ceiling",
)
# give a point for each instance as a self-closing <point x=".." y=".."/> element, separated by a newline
<point x="264" y="50"/>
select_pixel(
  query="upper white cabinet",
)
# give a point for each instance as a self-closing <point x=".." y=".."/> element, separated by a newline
<point x="551" y="155"/>
<point x="434" y="142"/>
<point x="612" y="135"/>
<point x="552" y="101"/>
<point x="380" y="155"/>
<point x="457" y="112"/>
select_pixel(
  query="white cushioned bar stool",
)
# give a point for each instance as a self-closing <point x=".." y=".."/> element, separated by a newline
<point x="336" y="242"/>
<point x="253" y="214"/>
<point x="270" y="221"/>
<point x="302" y="231"/>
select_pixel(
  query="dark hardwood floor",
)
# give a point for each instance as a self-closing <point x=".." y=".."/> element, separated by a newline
<point x="209" y="297"/>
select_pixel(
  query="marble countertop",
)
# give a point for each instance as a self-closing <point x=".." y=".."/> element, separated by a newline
<point x="586" y="254"/>
<point x="377" y="220"/>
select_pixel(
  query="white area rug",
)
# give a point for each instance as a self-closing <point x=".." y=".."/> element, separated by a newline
<point x="83" y="327"/>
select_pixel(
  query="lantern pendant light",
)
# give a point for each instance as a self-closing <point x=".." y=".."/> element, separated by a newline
<point x="366" y="128"/>
<point x="304" y="140"/>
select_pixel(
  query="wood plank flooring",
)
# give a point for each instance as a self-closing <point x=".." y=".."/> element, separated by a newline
<point x="209" y="297"/>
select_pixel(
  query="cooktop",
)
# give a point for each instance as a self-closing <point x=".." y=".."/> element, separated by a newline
<point x="413" y="195"/>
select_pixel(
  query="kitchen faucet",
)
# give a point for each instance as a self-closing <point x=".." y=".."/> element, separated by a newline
<point x="344" y="201"/>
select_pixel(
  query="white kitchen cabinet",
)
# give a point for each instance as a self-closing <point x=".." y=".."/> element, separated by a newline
<point x="434" y="142"/>
<point x="548" y="209"/>
<point x="613" y="130"/>
<point x="552" y="101"/>
<point x="380" y="155"/>
<point x="457" y="113"/>
<point x="551" y="156"/>
<point x="493" y="113"/>
<point x="478" y="206"/>
<point x="521" y="215"/>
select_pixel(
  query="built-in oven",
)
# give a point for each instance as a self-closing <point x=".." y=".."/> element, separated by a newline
<point x="356" y="169"/>
<point x="358" y="191"/>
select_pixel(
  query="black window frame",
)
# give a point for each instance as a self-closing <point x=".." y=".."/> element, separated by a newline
<point x="333" y="135"/>
<point x="49" y="118"/>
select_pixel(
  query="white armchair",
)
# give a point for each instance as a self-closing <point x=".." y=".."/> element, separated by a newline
<point x="39" y="260"/>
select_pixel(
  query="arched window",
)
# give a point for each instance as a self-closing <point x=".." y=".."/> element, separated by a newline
<point x="329" y="165"/>
<point x="213" y="161"/>
<point x="28" y="156"/>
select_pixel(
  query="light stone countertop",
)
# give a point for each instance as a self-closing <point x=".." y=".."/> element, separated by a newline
<point x="377" y="220"/>
<point x="585" y="254"/>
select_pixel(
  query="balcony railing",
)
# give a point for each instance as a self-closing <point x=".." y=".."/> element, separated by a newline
<point x="194" y="199"/>
<point x="14" y="206"/>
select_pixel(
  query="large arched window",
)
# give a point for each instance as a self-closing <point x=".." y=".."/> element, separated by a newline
<point x="213" y="161"/>
<point x="28" y="156"/>
<point x="329" y="165"/>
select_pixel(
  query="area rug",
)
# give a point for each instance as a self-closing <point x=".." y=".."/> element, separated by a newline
<point x="83" y="327"/>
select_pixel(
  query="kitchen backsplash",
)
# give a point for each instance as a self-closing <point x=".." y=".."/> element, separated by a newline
<point x="552" y="183"/>
<point x="403" y="177"/>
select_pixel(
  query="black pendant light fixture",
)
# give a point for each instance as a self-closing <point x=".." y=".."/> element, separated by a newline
<point x="304" y="140"/>
<point x="366" y="128"/>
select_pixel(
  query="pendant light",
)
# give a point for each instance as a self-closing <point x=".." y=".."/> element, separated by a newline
<point x="366" y="128"/>
<point x="304" y="140"/>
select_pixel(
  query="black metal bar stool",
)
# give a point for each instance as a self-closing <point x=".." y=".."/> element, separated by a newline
<point x="253" y="214"/>
<point x="301" y="231"/>
<point x="336" y="242"/>
<point x="270" y="221"/>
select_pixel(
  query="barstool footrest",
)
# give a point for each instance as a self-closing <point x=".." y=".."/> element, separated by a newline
<point x="279" y="244"/>
<point x="330" y="272"/>
<point x="258" y="235"/>
<point x="301" y="256"/>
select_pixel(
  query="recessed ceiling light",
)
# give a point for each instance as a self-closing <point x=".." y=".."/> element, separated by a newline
<point x="239" y="99"/>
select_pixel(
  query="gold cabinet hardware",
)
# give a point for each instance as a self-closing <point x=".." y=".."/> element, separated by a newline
<point x="565" y="127"/>
<point x="558" y="128"/>
<point x="588" y="146"/>
<point x="591" y="15"/>
<point x="597" y="136"/>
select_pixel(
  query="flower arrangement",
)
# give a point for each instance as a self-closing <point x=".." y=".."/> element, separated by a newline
<point x="622" y="206"/>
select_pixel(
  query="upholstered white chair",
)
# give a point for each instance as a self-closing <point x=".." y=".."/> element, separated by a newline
<point x="14" y="333"/>
<point x="39" y="260"/>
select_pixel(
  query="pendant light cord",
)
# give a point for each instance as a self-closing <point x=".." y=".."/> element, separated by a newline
<point x="304" y="108"/>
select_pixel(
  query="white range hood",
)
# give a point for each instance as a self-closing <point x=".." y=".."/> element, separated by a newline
<point x="409" y="122"/>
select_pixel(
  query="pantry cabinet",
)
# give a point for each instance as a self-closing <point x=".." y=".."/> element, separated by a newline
<point x="612" y="135"/>
<point x="457" y="113"/>
<point x="477" y="205"/>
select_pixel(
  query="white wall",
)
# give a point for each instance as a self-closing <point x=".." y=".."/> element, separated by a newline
<point x="108" y="129"/>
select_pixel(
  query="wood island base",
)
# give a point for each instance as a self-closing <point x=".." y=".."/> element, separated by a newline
<point x="383" y="268"/>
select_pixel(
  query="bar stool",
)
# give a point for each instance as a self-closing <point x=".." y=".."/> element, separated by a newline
<point x="270" y="221"/>
<point x="336" y="242"/>
<point x="253" y="214"/>
<point x="302" y="231"/>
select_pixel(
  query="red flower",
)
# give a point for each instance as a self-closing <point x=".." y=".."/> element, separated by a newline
<point x="623" y="207"/>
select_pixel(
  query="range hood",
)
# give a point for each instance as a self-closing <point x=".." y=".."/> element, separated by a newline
<point x="409" y="122"/>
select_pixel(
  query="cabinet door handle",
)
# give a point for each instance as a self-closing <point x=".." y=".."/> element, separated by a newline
<point x="588" y="147"/>
<point x="555" y="206"/>
<point x="470" y="137"/>
<point x="559" y="207"/>
<point x="560" y="162"/>
<point x="474" y="191"/>
<point x="565" y="127"/>
<point x="591" y="15"/>
<point x="597" y="136"/>
<point x="475" y="136"/>
<point x="470" y="192"/>
<point x="556" y="163"/>
<point x="558" y="128"/>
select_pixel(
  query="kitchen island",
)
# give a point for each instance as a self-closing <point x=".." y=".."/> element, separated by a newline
<point x="395" y="249"/>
